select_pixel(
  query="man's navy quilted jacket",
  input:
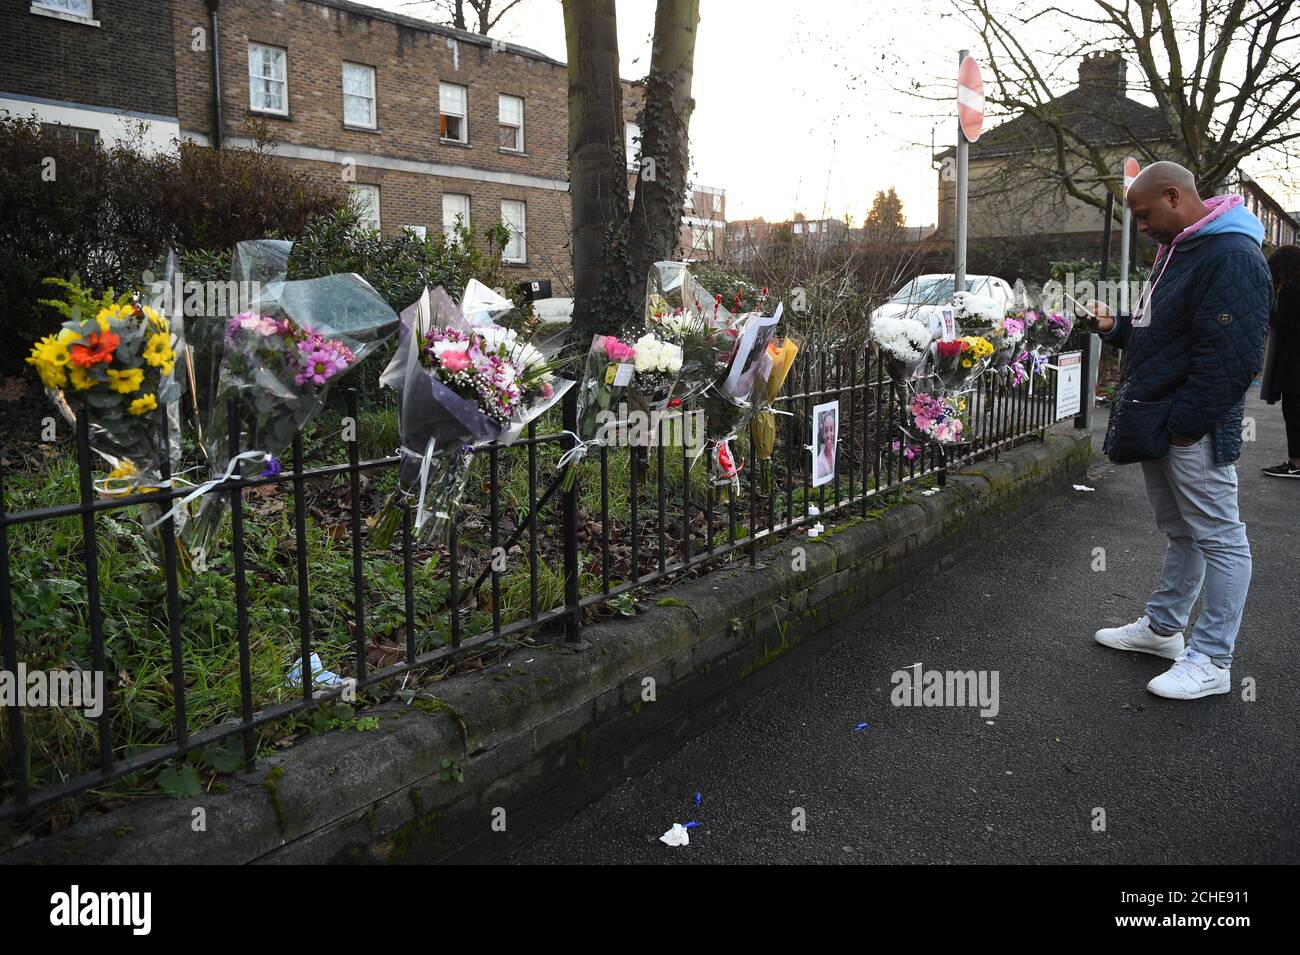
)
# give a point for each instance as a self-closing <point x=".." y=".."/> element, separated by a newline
<point x="1205" y="341"/>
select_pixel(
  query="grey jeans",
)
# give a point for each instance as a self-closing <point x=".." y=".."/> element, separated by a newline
<point x="1195" y="503"/>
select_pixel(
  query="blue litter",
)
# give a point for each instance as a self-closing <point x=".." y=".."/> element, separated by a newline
<point x="861" y="726"/>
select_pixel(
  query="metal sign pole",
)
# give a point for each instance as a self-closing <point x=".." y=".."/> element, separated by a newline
<point x="959" y="238"/>
<point x="1092" y="362"/>
<point x="1125" y="250"/>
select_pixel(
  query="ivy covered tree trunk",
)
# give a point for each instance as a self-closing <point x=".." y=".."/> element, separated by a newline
<point x="597" y="164"/>
<point x="654" y="228"/>
<point x="612" y="248"/>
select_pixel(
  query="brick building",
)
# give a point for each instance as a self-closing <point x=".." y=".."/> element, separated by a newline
<point x="426" y="123"/>
<point x="92" y="69"/>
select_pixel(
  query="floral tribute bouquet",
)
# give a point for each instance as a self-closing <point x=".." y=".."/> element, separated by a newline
<point x="975" y="311"/>
<point x="114" y="360"/>
<point x="680" y="310"/>
<point x="279" y="360"/>
<point x="780" y="359"/>
<point x="1047" y="332"/>
<point x="956" y="361"/>
<point x="616" y="378"/>
<point x="1017" y="372"/>
<point x="902" y="343"/>
<point x="731" y="400"/>
<point x="657" y="364"/>
<point x="1011" y="341"/>
<point x="459" y="386"/>
<point x="980" y="317"/>
<point x="939" y="414"/>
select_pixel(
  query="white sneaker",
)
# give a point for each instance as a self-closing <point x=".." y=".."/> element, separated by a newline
<point x="1139" y="636"/>
<point x="1192" y="676"/>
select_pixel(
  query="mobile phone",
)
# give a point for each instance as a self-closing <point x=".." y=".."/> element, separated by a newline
<point x="1079" y="310"/>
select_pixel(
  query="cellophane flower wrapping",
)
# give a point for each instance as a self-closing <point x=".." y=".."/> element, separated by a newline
<point x="658" y="363"/>
<point x="939" y="414"/>
<point x="1047" y="332"/>
<point x="902" y="343"/>
<point x="1011" y="339"/>
<point x="980" y="317"/>
<point x="254" y="264"/>
<point x="280" y="358"/>
<point x="460" y="385"/>
<point x="781" y="355"/>
<point x="958" y="361"/>
<point x="730" y="402"/>
<point x="483" y="306"/>
<point x="679" y="310"/>
<point x="114" y="359"/>
<point x="603" y="392"/>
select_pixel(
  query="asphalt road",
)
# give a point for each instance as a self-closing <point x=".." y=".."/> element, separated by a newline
<point x="1210" y="781"/>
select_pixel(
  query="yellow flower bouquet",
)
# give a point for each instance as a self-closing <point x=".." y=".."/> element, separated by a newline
<point x="763" y="425"/>
<point x="114" y="359"/>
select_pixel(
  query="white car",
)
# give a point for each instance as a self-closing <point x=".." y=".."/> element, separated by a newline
<point x="926" y="296"/>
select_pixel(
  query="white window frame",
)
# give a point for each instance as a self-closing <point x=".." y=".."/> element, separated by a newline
<point x="369" y="188"/>
<point x="254" y="80"/>
<point x="74" y="134"/>
<point x="448" y="228"/>
<point x="463" y="115"/>
<point x="373" y="97"/>
<point x="517" y="232"/>
<point x="502" y="123"/>
<point x="52" y="8"/>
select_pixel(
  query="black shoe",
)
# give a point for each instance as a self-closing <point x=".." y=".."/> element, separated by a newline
<point x="1285" y="470"/>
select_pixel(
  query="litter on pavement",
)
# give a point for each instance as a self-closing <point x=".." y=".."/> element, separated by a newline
<point x="678" y="835"/>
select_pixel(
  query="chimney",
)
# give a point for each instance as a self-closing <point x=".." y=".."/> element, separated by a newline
<point x="1104" y="71"/>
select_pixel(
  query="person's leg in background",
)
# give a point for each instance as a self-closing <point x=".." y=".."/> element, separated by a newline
<point x="1291" y="415"/>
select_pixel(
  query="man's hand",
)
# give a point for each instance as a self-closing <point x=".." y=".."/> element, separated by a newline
<point x="1096" y="316"/>
<point x="1178" y="441"/>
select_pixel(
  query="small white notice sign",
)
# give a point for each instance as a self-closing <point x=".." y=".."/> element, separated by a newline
<point x="1069" y="384"/>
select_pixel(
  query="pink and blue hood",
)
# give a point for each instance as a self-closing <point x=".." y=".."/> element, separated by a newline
<point x="1227" y="214"/>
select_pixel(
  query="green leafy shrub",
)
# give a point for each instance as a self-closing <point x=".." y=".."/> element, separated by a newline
<point x="107" y="213"/>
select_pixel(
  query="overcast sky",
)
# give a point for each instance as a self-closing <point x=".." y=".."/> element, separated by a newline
<point x="799" y="105"/>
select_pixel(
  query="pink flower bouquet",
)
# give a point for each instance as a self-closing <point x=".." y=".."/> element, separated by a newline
<point x="606" y="380"/>
<point x="1047" y="332"/>
<point x="460" y="386"/>
<point x="279" y="360"/>
<point x="939" y="415"/>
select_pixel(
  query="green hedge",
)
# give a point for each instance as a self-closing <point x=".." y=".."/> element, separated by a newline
<point x="108" y="213"/>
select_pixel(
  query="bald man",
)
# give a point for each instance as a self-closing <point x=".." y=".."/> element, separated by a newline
<point x="1191" y="348"/>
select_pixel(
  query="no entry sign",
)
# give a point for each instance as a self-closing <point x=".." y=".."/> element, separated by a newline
<point x="970" y="99"/>
<point x="1131" y="170"/>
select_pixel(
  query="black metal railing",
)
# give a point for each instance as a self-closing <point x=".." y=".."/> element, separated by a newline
<point x="639" y="517"/>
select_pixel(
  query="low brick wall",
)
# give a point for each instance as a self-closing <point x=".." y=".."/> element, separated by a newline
<point x="543" y="732"/>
